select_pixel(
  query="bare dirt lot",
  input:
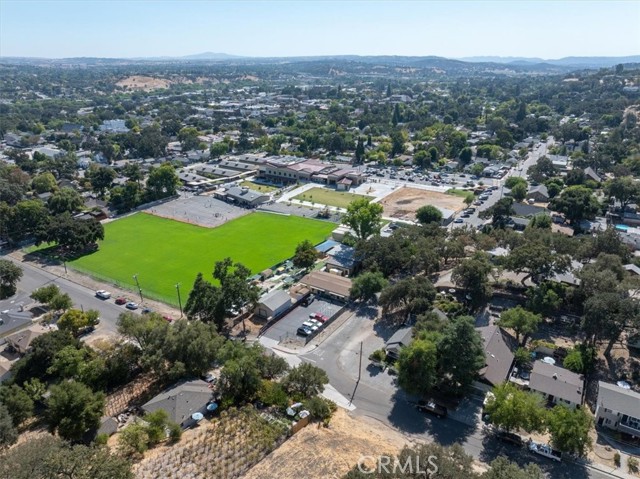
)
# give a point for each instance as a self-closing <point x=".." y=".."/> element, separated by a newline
<point x="404" y="202"/>
<point x="145" y="83"/>
<point x="324" y="453"/>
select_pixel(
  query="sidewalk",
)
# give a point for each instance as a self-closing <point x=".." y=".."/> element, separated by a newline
<point x="292" y="358"/>
<point x="626" y="451"/>
<point x="616" y="472"/>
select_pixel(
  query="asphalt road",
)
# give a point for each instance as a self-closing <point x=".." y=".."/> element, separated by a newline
<point x="474" y="221"/>
<point x="82" y="297"/>
<point x="376" y="395"/>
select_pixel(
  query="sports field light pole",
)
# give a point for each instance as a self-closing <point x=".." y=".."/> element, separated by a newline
<point x="179" y="300"/>
<point x="135" y="276"/>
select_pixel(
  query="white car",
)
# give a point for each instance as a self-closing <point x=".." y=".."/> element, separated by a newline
<point x="102" y="294"/>
<point x="309" y="325"/>
<point x="315" y="322"/>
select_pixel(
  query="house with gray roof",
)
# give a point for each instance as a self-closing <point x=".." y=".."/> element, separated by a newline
<point x="527" y="211"/>
<point x="274" y="304"/>
<point x="401" y="338"/>
<point x="498" y="354"/>
<point x="592" y="175"/>
<point x="557" y="385"/>
<point x="181" y="401"/>
<point x="618" y="408"/>
<point x="341" y="258"/>
<point x="12" y="320"/>
<point x="539" y="193"/>
<point x="21" y="341"/>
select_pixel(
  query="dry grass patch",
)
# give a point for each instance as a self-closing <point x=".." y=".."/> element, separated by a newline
<point x="404" y="202"/>
<point x="319" y="452"/>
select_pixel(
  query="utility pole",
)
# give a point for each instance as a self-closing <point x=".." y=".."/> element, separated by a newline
<point x="65" y="266"/>
<point x="135" y="276"/>
<point x="360" y="366"/>
<point x="359" y="376"/>
<point x="179" y="300"/>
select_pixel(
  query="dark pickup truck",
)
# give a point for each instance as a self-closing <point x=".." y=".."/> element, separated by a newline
<point x="510" y="437"/>
<point x="432" y="407"/>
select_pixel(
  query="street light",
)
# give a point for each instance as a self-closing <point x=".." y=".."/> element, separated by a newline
<point x="179" y="300"/>
<point x="135" y="276"/>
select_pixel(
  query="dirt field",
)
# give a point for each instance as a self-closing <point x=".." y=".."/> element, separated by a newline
<point x="145" y="83"/>
<point x="327" y="453"/>
<point x="404" y="202"/>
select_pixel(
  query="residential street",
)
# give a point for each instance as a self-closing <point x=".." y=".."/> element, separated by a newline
<point x="474" y="221"/>
<point x="377" y="396"/>
<point x="82" y="297"/>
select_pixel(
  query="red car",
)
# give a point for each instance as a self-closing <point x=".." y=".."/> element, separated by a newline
<point x="121" y="300"/>
<point x="167" y="318"/>
<point x="321" y="317"/>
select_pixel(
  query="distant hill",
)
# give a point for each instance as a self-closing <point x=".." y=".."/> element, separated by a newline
<point x="209" y="56"/>
<point x="579" y="62"/>
<point x="356" y="64"/>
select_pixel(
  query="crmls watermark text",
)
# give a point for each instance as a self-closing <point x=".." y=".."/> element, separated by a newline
<point x="396" y="465"/>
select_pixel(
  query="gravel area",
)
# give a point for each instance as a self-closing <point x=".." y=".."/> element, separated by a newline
<point x="200" y="210"/>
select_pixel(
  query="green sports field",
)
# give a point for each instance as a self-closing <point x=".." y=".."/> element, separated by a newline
<point x="164" y="252"/>
<point x="325" y="196"/>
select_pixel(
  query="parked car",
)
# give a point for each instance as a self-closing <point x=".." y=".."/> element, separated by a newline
<point x="431" y="407"/>
<point x="210" y="378"/>
<point x="102" y="294"/>
<point x="303" y="331"/>
<point x="167" y="318"/>
<point x="321" y="317"/>
<point x="131" y="305"/>
<point x="510" y="437"/>
<point x="458" y="220"/>
<point x="121" y="300"/>
<point x="147" y="311"/>
<point x="316" y="323"/>
<point x="545" y="450"/>
<point x="310" y="325"/>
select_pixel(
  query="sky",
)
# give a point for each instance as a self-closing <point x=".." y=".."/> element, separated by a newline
<point x="453" y="29"/>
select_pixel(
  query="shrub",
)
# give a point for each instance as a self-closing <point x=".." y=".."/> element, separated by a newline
<point x="632" y="464"/>
<point x="616" y="459"/>
<point x="134" y="439"/>
<point x="522" y="357"/>
<point x="272" y="394"/>
<point x="320" y="408"/>
<point x="378" y="355"/>
<point x="573" y="361"/>
<point x="175" y="432"/>
<point x="101" y="439"/>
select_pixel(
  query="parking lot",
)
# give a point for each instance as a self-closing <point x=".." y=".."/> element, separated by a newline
<point x="288" y="325"/>
<point x="417" y="176"/>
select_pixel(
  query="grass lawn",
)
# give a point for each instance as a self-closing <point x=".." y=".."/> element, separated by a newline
<point x="457" y="192"/>
<point x="164" y="252"/>
<point x="258" y="187"/>
<point x="328" y="197"/>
